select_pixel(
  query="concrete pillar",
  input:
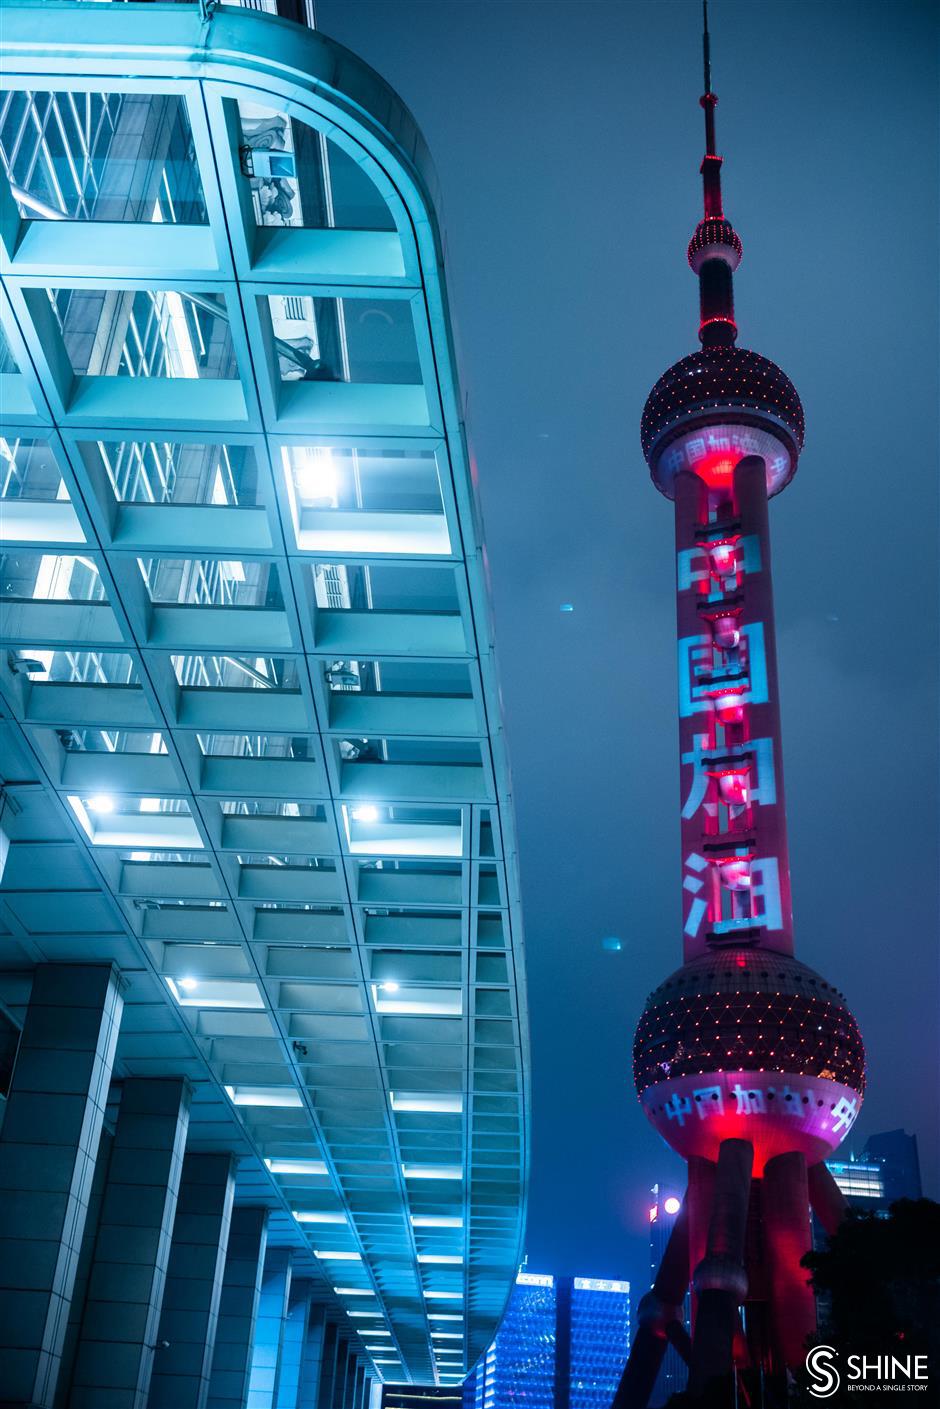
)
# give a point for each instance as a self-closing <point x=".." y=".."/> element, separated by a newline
<point x="114" y="1358"/>
<point x="311" y="1359"/>
<point x="287" y="1394"/>
<point x="787" y="1239"/>
<point x="324" y="1398"/>
<point x="48" y="1148"/>
<point x="186" y="1338"/>
<point x="269" y="1328"/>
<point x="720" y="1279"/>
<point x="238" y="1309"/>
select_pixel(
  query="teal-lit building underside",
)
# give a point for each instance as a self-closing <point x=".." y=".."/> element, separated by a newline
<point x="265" y="1137"/>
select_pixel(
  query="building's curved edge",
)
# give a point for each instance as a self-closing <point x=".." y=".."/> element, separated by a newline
<point x="317" y="73"/>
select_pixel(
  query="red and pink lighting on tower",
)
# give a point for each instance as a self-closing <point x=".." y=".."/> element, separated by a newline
<point x="748" y="1063"/>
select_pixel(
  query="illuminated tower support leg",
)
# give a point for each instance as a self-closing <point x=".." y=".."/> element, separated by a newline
<point x="826" y="1198"/>
<point x="660" y="1320"/>
<point x="785" y="1206"/>
<point x="699" y="1201"/>
<point x="720" y="1280"/>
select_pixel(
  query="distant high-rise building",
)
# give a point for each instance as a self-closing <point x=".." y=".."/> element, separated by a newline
<point x="665" y="1207"/>
<point x="895" y="1154"/>
<point x="860" y="1181"/>
<point x="562" y="1345"/>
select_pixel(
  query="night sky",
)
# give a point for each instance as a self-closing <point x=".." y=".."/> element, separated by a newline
<point x="567" y="138"/>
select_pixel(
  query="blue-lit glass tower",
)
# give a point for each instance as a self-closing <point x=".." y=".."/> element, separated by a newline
<point x="562" y="1345"/>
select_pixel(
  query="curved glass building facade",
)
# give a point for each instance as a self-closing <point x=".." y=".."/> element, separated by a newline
<point x="258" y="862"/>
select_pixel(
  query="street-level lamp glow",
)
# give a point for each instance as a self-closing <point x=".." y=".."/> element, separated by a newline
<point x="101" y="802"/>
<point x="366" y="813"/>
<point x="672" y="1204"/>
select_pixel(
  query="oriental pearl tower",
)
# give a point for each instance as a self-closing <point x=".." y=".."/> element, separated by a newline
<point x="748" y="1063"/>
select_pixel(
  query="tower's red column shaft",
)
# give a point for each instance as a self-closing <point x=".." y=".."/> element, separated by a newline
<point x="735" y="876"/>
<point x="788" y="1238"/>
<point x="826" y="1198"/>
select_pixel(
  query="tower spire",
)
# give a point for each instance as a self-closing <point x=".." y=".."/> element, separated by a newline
<point x="715" y="250"/>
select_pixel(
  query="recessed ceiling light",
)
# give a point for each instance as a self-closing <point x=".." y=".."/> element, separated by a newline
<point x="296" y="1166"/>
<point x="101" y="802"/>
<point x="188" y="984"/>
<point x="366" y="813"/>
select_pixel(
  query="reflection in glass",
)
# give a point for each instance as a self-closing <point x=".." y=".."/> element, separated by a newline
<point x="276" y="673"/>
<point x="145" y="333"/>
<point x="450" y="679"/>
<point x="255" y="746"/>
<point x="74" y="667"/>
<point x="26" y="576"/>
<point x="7" y="360"/>
<point x="344" y="339"/>
<point x="300" y="177"/>
<point x="385" y="587"/>
<point x="163" y="472"/>
<point x="111" y="741"/>
<point x="211" y="582"/>
<point x="377" y="481"/>
<point x="28" y="470"/>
<point x="101" y="156"/>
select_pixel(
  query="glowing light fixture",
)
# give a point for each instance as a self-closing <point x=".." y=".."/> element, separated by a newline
<point x="366" y="813"/>
<point x="432" y="1171"/>
<point x="296" y="1166"/>
<point x="672" y="1205"/>
<point x="413" y="1101"/>
<point x="101" y="802"/>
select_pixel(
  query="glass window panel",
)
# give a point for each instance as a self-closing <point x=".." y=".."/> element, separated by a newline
<point x="255" y="807"/>
<point x="211" y="582"/>
<point x="401" y="678"/>
<point x="99" y="156"/>
<point x="165" y="858"/>
<point x="164" y="472"/>
<point x="256" y="746"/>
<point x="344" y="339"/>
<point x="111" y="741"/>
<point x="7" y="360"/>
<point x="145" y="333"/>
<point x="300" y="177"/>
<point x="28" y="470"/>
<point x="294" y="863"/>
<point x="75" y="667"/>
<point x="237" y="673"/>
<point x="49" y="577"/>
<point x="453" y="752"/>
<point x="391" y="587"/>
<point x="373" y="480"/>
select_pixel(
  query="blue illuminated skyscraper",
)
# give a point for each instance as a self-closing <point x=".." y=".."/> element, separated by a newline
<point x="562" y="1345"/>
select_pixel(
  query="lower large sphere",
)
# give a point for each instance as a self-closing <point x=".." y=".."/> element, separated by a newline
<point x="751" y="1044"/>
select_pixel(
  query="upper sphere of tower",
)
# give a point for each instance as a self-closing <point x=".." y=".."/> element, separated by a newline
<point x="714" y="238"/>
<point x="729" y="387"/>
